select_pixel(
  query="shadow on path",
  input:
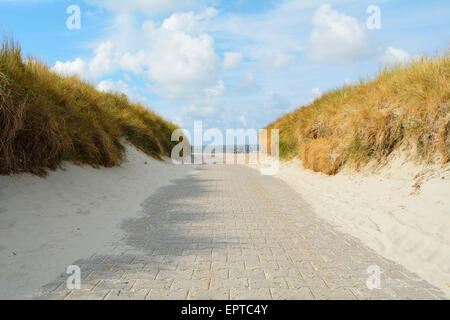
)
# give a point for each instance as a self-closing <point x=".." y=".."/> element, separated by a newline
<point x="226" y="232"/>
<point x="159" y="239"/>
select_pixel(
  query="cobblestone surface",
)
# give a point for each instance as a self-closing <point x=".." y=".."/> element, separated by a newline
<point x="226" y="232"/>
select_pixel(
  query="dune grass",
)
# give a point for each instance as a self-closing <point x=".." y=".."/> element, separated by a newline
<point x="404" y="106"/>
<point x="46" y="118"/>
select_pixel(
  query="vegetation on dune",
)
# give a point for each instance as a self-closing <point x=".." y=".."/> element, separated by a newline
<point x="46" y="118"/>
<point x="404" y="106"/>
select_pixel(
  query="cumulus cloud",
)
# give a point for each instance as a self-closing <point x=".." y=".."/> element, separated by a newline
<point x="337" y="38"/>
<point x="112" y="86"/>
<point x="69" y="68"/>
<point x="316" y="92"/>
<point x="104" y="62"/>
<point x="120" y="87"/>
<point x="393" y="56"/>
<point x="232" y="60"/>
<point x="182" y="59"/>
<point x="178" y="57"/>
<point x="134" y="63"/>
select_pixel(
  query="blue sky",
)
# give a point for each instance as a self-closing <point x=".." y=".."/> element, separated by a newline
<point x="232" y="64"/>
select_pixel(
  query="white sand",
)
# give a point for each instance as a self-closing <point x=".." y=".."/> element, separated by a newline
<point x="409" y="226"/>
<point x="47" y="224"/>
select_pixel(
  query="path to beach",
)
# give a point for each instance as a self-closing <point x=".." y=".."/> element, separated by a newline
<point x="227" y="232"/>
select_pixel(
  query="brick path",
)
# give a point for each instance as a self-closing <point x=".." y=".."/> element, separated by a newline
<point x="226" y="232"/>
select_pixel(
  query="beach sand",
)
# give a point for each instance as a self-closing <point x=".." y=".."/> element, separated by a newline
<point x="402" y="211"/>
<point x="48" y="223"/>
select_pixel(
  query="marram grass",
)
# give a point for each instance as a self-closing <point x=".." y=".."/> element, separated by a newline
<point x="46" y="118"/>
<point x="404" y="106"/>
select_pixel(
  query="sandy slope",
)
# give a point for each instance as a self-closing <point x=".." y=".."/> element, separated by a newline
<point x="384" y="210"/>
<point x="46" y="224"/>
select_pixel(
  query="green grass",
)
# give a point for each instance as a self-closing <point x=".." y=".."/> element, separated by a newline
<point x="46" y="118"/>
<point x="408" y="105"/>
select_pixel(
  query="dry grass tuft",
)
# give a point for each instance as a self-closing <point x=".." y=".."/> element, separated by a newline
<point x="359" y="123"/>
<point x="46" y="118"/>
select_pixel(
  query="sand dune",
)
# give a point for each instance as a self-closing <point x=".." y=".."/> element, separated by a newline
<point x="47" y="223"/>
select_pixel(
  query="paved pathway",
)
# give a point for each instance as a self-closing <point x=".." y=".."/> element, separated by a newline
<point x="226" y="232"/>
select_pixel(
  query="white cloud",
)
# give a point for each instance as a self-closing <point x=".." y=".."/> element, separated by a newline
<point x="217" y="90"/>
<point x="337" y="38"/>
<point x="177" y="120"/>
<point x="188" y="22"/>
<point x="113" y="86"/>
<point x="316" y="92"/>
<point x="69" y="68"/>
<point x="232" y="60"/>
<point x="178" y="57"/>
<point x="393" y="56"/>
<point x="105" y="59"/>
<point x="133" y="62"/>
<point x="182" y="59"/>
<point x="243" y="120"/>
<point x="120" y="87"/>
